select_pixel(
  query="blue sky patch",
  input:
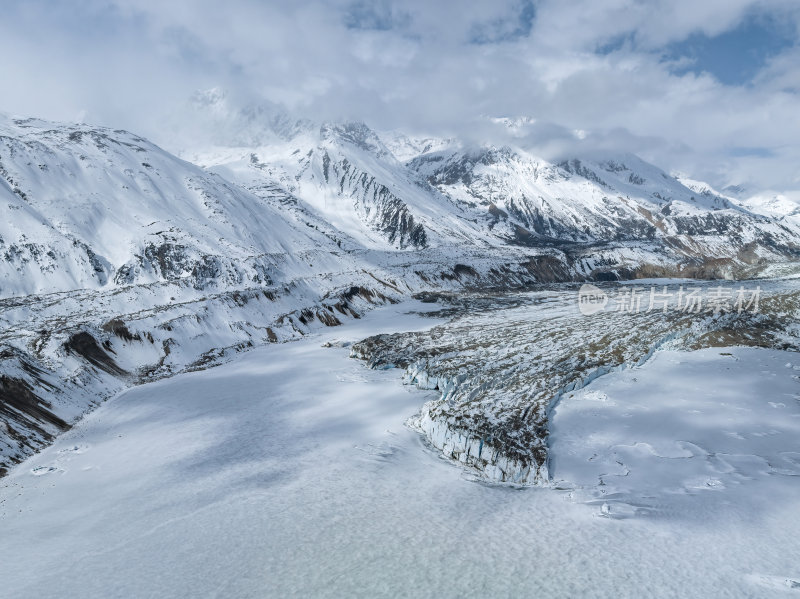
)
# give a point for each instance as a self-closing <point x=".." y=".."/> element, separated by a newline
<point x="736" y="56"/>
<point x="374" y="16"/>
<point x="506" y="30"/>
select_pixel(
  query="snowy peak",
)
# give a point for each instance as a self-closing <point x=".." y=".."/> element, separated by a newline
<point x="595" y="199"/>
<point x="631" y="176"/>
<point x="111" y="208"/>
<point x="356" y="134"/>
<point x="348" y="177"/>
<point x="407" y="147"/>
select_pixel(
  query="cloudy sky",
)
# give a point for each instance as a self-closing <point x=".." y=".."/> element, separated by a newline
<point x="707" y="87"/>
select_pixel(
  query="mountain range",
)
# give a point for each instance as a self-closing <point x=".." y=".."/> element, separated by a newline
<point x="121" y="262"/>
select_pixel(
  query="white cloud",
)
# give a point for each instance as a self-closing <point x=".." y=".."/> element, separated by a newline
<point x="411" y="64"/>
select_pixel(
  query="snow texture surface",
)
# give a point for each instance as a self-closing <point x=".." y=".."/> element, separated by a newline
<point x="289" y="472"/>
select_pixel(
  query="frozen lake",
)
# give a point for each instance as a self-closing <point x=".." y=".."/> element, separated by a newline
<point x="289" y="472"/>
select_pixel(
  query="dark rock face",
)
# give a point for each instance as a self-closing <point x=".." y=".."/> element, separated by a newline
<point x="102" y="268"/>
<point x="354" y="133"/>
<point x="576" y="167"/>
<point x="86" y="346"/>
<point x="548" y="269"/>
<point x="380" y="209"/>
<point x="28" y="418"/>
<point x="19" y="401"/>
<point x="207" y="269"/>
<point x="170" y="260"/>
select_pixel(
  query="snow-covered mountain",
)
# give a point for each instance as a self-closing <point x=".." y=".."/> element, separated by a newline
<point x="120" y="262"/>
<point x="422" y="191"/>
<point x="598" y="199"/>
<point x="93" y="208"/>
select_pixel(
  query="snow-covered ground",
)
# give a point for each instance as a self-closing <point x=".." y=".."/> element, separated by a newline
<point x="289" y="472"/>
<point x="705" y="423"/>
